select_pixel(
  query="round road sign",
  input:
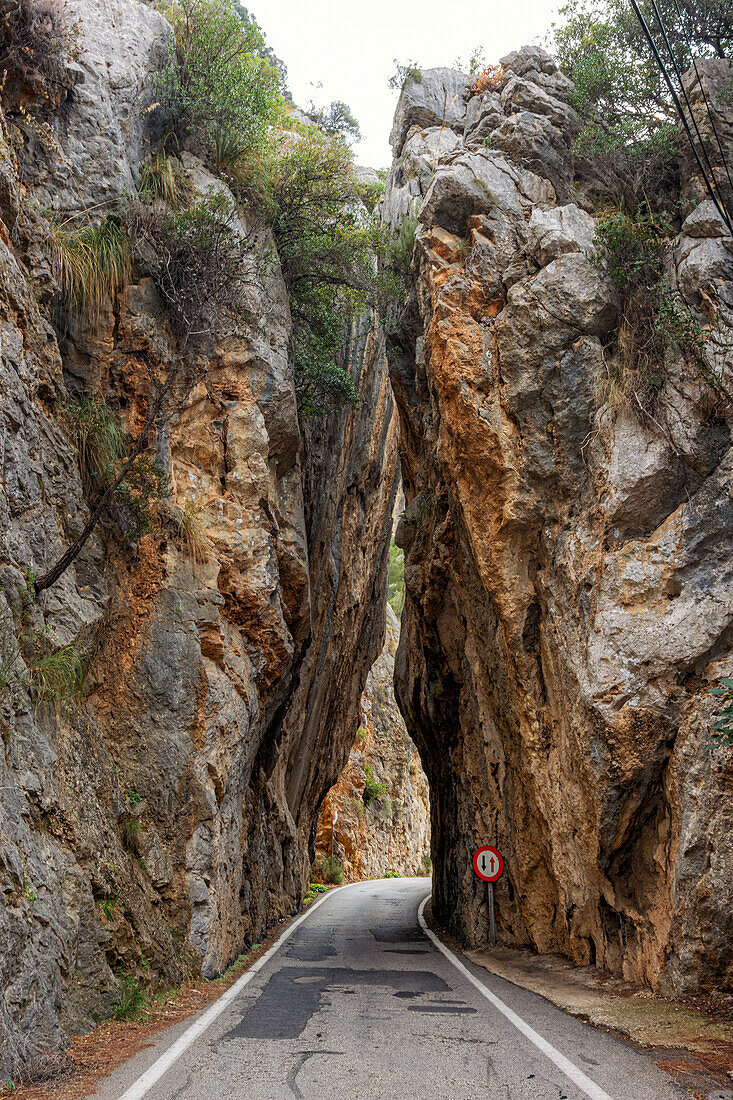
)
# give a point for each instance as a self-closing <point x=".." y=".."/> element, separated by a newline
<point x="487" y="863"/>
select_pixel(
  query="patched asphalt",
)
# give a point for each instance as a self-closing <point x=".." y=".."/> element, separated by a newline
<point x="359" y="1004"/>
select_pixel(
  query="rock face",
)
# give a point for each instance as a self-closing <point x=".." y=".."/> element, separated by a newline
<point x="166" y="820"/>
<point x="392" y="832"/>
<point x="567" y="561"/>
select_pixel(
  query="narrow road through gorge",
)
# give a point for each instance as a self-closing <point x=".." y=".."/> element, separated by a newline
<point x="359" y="1003"/>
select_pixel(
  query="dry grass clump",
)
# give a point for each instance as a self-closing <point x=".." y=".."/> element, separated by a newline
<point x="192" y="533"/>
<point x="91" y="264"/>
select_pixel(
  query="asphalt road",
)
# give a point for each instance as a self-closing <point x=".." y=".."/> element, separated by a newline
<point x="358" y="1003"/>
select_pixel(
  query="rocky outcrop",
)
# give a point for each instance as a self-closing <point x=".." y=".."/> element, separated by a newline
<point x="390" y="832"/>
<point x="567" y="559"/>
<point x="166" y="819"/>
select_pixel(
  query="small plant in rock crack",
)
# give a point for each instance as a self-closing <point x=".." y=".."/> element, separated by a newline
<point x="131" y="833"/>
<point x="723" y="722"/>
<point x="100" y="438"/>
<point x="192" y="533"/>
<point x="373" y="789"/>
<point x="91" y="263"/>
<point x="133" y="1001"/>
<point x="145" y="485"/>
<point x="654" y="327"/>
<point x="108" y="906"/>
<point x="55" y="677"/>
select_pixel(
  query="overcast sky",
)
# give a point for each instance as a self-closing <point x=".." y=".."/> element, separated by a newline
<point x="349" y="47"/>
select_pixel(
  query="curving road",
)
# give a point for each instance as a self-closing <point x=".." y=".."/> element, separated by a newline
<point x="358" y="1004"/>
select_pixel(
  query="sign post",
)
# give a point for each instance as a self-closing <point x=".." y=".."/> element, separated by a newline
<point x="334" y="819"/>
<point x="489" y="866"/>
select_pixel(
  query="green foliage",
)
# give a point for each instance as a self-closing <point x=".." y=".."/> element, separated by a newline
<point x="53" y="677"/>
<point x="392" y="874"/>
<point x="371" y="193"/>
<point x="373" y="789"/>
<point x="100" y="440"/>
<point x="474" y="64"/>
<point x="331" y="869"/>
<point x="628" y="142"/>
<point x="314" y="889"/>
<point x="131" y="833"/>
<point x="400" y="255"/>
<point x="396" y="590"/>
<point x="336" y="119"/>
<point x="144" y="486"/>
<point x="654" y="327"/>
<point x="218" y="78"/>
<point x="723" y="723"/>
<point x="108" y="907"/>
<point x="133" y="798"/>
<point x="326" y="244"/>
<point x="409" y="73"/>
<point x="133" y="1001"/>
<point x="361" y="734"/>
<point x="91" y="263"/>
<point x="427" y="863"/>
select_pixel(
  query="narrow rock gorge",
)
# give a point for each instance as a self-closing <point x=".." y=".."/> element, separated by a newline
<point x="162" y="824"/>
<point x="567" y="555"/>
<point x="381" y="801"/>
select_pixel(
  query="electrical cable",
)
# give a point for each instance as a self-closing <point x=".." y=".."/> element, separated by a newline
<point x="708" y="107"/>
<point x="676" y="100"/>
<point x="678" y="74"/>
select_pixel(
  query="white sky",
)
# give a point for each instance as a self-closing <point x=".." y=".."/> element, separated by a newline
<point x="349" y="47"/>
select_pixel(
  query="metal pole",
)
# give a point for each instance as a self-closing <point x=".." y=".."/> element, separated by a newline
<point x="492" y="920"/>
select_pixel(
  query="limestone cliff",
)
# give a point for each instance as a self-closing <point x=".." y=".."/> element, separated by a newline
<point x="156" y="826"/>
<point x="567" y="559"/>
<point x="390" y="832"/>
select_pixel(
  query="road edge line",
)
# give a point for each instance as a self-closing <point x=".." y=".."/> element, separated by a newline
<point x="161" y="1065"/>
<point x="571" y="1071"/>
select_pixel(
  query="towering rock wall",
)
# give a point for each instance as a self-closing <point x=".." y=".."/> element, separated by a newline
<point x="567" y="559"/>
<point x="392" y="831"/>
<point x="155" y="827"/>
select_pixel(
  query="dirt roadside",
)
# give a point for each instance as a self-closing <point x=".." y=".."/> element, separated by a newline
<point x="690" y="1039"/>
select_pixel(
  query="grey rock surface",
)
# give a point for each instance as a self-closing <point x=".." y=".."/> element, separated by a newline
<point x="437" y="99"/>
<point x="567" y="558"/>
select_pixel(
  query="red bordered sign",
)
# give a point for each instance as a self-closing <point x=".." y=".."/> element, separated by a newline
<point x="488" y="863"/>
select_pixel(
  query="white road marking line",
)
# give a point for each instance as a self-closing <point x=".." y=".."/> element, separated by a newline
<point x="563" y="1064"/>
<point x="164" y="1063"/>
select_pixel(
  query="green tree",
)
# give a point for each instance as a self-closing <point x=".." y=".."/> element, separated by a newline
<point x="337" y="118"/>
<point x="218" y="79"/>
<point x="327" y="243"/>
<point x="629" y="133"/>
